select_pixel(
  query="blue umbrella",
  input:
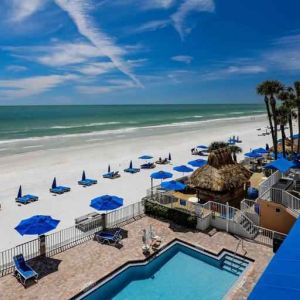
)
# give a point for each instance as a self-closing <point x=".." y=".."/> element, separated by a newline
<point x="173" y="185"/>
<point x="253" y="154"/>
<point x="54" y="183"/>
<point x="281" y="164"/>
<point x="108" y="169"/>
<point x="202" y="147"/>
<point x="83" y="176"/>
<point x="198" y="162"/>
<point x="20" y="192"/>
<point x="183" y="169"/>
<point x="260" y="150"/>
<point x="106" y="202"/>
<point x="130" y="165"/>
<point x="146" y="157"/>
<point x="36" y="225"/>
<point x="161" y="175"/>
<point x="170" y="157"/>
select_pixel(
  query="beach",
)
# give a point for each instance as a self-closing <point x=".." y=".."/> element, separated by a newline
<point x="36" y="168"/>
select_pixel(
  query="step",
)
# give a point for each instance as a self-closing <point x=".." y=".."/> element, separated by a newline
<point x="236" y="260"/>
<point x="233" y="266"/>
<point x="232" y="270"/>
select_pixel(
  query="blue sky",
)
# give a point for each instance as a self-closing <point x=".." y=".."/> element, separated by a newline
<point x="134" y="51"/>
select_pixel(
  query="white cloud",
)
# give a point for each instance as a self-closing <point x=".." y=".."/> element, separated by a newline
<point x="30" y="86"/>
<point x="183" y="58"/>
<point x="22" y="9"/>
<point x="187" y="7"/>
<point x="78" y="12"/>
<point x="16" y="68"/>
<point x="98" y="68"/>
<point x="112" y="86"/>
<point x="153" y="4"/>
<point x="151" y="26"/>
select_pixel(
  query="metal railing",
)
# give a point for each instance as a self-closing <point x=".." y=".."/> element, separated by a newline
<point x="248" y="208"/>
<point x="69" y="237"/>
<point x="269" y="182"/>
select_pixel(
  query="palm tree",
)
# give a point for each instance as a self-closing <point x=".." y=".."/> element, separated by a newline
<point x="234" y="151"/>
<point x="282" y="115"/>
<point x="217" y="145"/>
<point x="288" y="97"/>
<point x="297" y="102"/>
<point x="270" y="89"/>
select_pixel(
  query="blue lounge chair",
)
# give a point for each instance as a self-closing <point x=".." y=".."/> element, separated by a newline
<point x="111" y="175"/>
<point x="58" y="189"/>
<point x="110" y="238"/>
<point x="24" y="199"/>
<point x="85" y="181"/>
<point x="131" y="169"/>
<point x="148" y="165"/>
<point x="23" y="271"/>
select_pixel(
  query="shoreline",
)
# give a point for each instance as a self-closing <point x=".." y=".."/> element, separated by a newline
<point x="35" y="171"/>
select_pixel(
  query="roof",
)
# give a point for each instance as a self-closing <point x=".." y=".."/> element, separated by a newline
<point x="281" y="279"/>
<point x="220" y="174"/>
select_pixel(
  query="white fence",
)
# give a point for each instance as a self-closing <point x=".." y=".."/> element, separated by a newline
<point x="269" y="182"/>
<point x="248" y="208"/>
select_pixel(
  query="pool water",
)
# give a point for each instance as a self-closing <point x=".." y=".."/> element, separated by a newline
<point x="178" y="273"/>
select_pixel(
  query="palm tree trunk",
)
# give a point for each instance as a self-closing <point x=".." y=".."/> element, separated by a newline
<point x="283" y="139"/>
<point x="291" y="132"/>
<point x="271" y="124"/>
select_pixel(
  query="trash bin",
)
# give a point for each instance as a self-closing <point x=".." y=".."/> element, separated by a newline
<point x="277" y="241"/>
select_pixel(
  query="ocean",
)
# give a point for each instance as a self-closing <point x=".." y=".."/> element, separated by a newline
<point x="24" y="128"/>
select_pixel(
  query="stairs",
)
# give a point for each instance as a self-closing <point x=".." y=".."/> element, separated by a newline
<point x="245" y="223"/>
<point x="234" y="265"/>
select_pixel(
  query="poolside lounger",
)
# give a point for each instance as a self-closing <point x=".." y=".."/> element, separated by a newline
<point x="111" y="175"/>
<point x="23" y="271"/>
<point x="109" y="238"/>
<point x="148" y="166"/>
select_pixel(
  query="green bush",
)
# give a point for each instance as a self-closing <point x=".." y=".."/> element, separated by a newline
<point x="175" y="215"/>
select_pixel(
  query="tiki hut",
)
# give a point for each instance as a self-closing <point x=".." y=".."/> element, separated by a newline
<point x="221" y="180"/>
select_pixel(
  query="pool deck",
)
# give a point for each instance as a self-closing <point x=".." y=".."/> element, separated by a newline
<point x="66" y="274"/>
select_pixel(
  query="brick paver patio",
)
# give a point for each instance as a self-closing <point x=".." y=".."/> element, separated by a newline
<point x="71" y="271"/>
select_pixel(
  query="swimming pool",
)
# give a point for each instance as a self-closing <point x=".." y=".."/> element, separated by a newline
<point x="178" y="272"/>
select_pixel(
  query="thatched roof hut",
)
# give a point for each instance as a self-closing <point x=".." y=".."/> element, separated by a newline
<point x="220" y="177"/>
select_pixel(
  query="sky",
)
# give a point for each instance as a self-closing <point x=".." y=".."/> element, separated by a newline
<point x="145" y="51"/>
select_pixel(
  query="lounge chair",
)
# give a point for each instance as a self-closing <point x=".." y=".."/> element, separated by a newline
<point x="132" y="170"/>
<point x="162" y="161"/>
<point x="111" y="175"/>
<point x="23" y="271"/>
<point x="58" y="189"/>
<point x="148" y="165"/>
<point x="24" y="199"/>
<point x="110" y="238"/>
<point x="85" y="181"/>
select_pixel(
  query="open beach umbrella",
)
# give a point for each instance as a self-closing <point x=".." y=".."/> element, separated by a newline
<point x="198" y="162"/>
<point x="170" y="157"/>
<point x="173" y="185"/>
<point x="145" y="157"/>
<point x="281" y="164"/>
<point x="253" y="154"/>
<point x="183" y="169"/>
<point x="20" y="192"/>
<point x="202" y="147"/>
<point x="260" y="150"/>
<point x="54" y="183"/>
<point x="106" y="202"/>
<point x="161" y="175"/>
<point x="38" y="224"/>
<point x="83" y="176"/>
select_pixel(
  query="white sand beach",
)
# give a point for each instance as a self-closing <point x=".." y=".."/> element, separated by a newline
<point x="35" y="170"/>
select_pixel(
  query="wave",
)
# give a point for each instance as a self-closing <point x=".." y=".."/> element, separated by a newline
<point x="237" y="113"/>
<point x="122" y="131"/>
<point x="84" y="125"/>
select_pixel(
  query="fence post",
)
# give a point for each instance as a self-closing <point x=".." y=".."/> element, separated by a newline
<point x="227" y="216"/>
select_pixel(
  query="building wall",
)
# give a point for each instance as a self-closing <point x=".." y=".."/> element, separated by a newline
<point x="275" y="216"/>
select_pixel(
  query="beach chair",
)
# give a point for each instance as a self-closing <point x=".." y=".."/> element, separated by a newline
<point x="148" y="165"/>
<point x="110" y="238"/>
<point x="86" y="181"/>
<point x="111" y="175"/>
<point x="58" y="189"/>
<point x="23" y="272"/>
<point x="131" y="169"/>
<point x="24" y="199"/>
<point x="162" y="161"/>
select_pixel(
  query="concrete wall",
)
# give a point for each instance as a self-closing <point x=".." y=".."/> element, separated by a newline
<point x="275" y="216"/>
